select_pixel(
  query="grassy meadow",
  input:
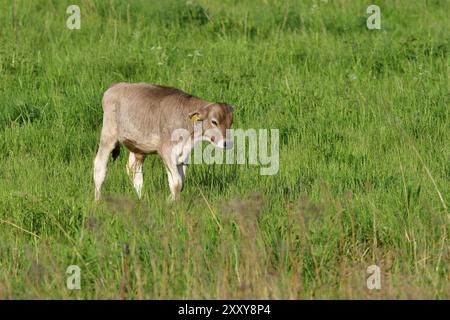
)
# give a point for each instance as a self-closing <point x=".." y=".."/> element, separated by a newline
<point x="364" y="176"/>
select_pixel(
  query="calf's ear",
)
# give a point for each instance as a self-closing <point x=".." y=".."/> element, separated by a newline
<point x="195" y="116"/>
<point x="228" y="107"/>
<point x="199" y="114"/>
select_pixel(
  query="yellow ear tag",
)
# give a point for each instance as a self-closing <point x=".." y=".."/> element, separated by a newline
<point x="195" y="117"/>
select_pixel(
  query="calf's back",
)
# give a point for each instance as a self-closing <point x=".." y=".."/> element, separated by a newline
<point x="146" y="114"/>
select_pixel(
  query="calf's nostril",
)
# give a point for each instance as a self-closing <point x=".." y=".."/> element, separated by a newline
<point x="213" y="138"/>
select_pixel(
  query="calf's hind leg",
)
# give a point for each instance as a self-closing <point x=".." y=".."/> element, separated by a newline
<point x="108" y="140"/>
<point x="100" y="163"/>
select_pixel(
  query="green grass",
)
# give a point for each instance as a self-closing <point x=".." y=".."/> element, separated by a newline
<point x="364" y="151"/>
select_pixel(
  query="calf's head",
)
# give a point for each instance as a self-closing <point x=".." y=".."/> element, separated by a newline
<point x="216" y="119"/>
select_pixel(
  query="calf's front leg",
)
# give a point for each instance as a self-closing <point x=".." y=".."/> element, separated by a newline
<point x="134" y="169"/>
<point x="175" y="175"/>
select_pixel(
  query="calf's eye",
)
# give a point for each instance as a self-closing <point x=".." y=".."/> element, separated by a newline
<point x="214" y="122"/>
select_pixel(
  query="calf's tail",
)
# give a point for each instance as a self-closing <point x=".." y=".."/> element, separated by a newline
<point x="116" y="151"/>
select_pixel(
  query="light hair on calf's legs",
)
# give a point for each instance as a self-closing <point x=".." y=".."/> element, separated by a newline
<point x="100" y="166"/>
<point x="175" y="175"/>
<point x="108" y="140"/>
<point x="134" y="170"/>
